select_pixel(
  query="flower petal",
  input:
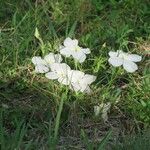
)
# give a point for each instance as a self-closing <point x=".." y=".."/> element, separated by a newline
<point x="38" y="60"/>
<point x="65" y="51"/>
<point x="86" y="50"/>
<point x="64" y="81"/>
<point x="55" y="66"/>
<point x="75" y="86"/>
<point x="67" y="42"/>
<point x="65" y="67"/>
<point x="75" y="42"/>
<point x="115" y="61"/>
<point x="59" y="67"/>
<point x="41" y="69"/>
<point x="83" y="87"/>
<point x="51" y="75"/>
<point x="79" y="56"/>
<point x="53" y="58"/>
<point x="134" y="57"/>
<point x="49" y="58"/>
<point x="88" y="90"/>
<point x="88" y="79"/>
<point x="58" y="58"/>
<point x="113" y="54"/>
<point x="129" y="66"/>
<point x="61" y="70"/>
<point x="75" y="75"/>
<point x="78" y="87"/>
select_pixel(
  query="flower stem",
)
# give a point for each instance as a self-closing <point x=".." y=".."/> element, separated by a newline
<point x="59" y="115"/>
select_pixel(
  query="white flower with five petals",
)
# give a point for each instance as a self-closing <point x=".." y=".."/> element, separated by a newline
<point x="43" y="65"/>
<point x="81" y="81"/>
<point x="127" y="60"/>
<point x="59" y="71"/>
<point x="40" y="64"/>
<point x="71" y="48"/>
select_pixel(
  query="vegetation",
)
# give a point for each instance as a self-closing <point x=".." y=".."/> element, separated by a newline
<point x="38" y="113"/>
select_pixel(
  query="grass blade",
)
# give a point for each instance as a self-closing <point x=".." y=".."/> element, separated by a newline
<point x="72" y="30"/>
<point x="104" y="140"/>
<point x="1" y="132"/>
<point x="88" y="145"/>
<point x="59" y="115"/>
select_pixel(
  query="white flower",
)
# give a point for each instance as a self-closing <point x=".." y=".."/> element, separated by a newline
<point x="76" y="80"/>
<point x="127" y="60"/>
<point x="71" y="48"/>
<point x="43" y="65"/>
<point x="81" y="81"/>
<point x="103" y="108"/>
<point x="52" y="58"/>
<point x="59" y="71"/>
<point x="40" y="65"/>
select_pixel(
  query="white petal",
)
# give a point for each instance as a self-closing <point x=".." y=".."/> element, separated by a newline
<point x="83" y="87"/>
<point x="75" y="75"/>
<point x="113" y="54"/>
<point x="41" y="69"/>
<point x="58" y="58"/>
<point x="65" y="51"/>
<point x="88" y="90"/>
<point x="86" y="50"/>
<point x="134" y="57"/>
<point x="64" y="81"/>
<point x="49" y="58"/>
<point x="38" y="60"/>
<point x="75" y="42"/>
<point x="76" y="87"/>
<point x="115" y="61"/>
<point x="51" y="75"/>
<point x="82" y="58"/>
<point x="129" y="66"/>
<point x="68" y="42"/>
<point x="55" y="66"/>
<point x="79" y="56"/>
<point x="61" y="70"/>
<point x="120" y="52"/>
<point x="53" y="58"/>
<point x="65" y="67"/>
<point x="88" y="79"/>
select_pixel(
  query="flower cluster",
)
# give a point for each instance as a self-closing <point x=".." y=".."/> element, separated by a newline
<point x="53" y="68"/>
<point x="77" y="80"/>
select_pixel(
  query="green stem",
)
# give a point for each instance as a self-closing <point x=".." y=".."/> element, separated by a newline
<point x="59" y="115"/>
<point x="76" y="65"/>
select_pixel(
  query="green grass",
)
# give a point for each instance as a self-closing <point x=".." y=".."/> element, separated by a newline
<point x="134" y="142"/>
<point x="30" y="102"/>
